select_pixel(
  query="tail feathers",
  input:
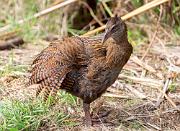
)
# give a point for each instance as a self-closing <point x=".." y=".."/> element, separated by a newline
<point x="50" y="92"/>
<point x="39" y="89"/>
<point x="46" y="94"/>
<point x="50" y="87"/>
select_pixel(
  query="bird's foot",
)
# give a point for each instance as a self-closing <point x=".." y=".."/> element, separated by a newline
<point x="100" y="115"/>
<point x="88" y="122"/>
<point x="95" y="122"/>
<point x="100" y="118"/>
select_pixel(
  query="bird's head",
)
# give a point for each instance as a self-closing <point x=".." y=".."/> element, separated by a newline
<point x="115" y="28"/>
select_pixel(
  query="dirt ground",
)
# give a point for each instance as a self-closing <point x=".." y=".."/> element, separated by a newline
<point x="128" y="104"/>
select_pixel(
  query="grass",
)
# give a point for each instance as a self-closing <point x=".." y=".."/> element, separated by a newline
<point x="27" y="30"/>
<point x="136" y="125"/>
<point x="176" y="30"/>
<point x="67" y="98"/>
<point x="17" y="115"/>
<point x="24" y="115"/>
<point x="172" y="87"/>
<point x="75" y="31"/>
<point x="136" y="37"/>
<point x="10" y="68"/>
<point x="30" y="114"/>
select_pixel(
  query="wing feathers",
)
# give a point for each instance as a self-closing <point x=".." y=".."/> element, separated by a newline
<point x="69" y="55"/>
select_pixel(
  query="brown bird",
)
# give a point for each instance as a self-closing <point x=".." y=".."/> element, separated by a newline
<point x="82" y="66"/>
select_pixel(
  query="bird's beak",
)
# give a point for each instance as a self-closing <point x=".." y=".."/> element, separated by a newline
<point x="106" y="36"/>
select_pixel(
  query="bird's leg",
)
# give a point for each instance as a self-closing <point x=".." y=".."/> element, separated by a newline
<point x="88" y="120"/>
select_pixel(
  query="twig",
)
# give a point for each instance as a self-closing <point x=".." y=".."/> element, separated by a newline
<point x="172" y="67"/>
<point x="117" y="96"/>
<point x="132" y="117"/>
<point x="8" y="35"/>
<point x="92" y="13"/>
<point x="161" y="96"/>
<point x="169" y="99"/>
<point x="140" y="95"/>
<point x="136" y="92"/>
<point x="148" y="84"/>
<point x="150" y="44"/>
<point x="57" y="2"/>
<point x="167" y="33"/>
<point x="11" y="43"/>
<point x="175" y="95"/>
<point x="103" y="11"/>
<point x="165" y="88"/>
<point x="136" y="60"/>
<point x="154" y="35"/>
<point x="114" y="90"/>
<point x="147" y="80"/>
<point x="138" y="11"/>
<point x="154" y="126"/>
<point x="168" y="81"/>
<point x="107" y="8"/>
<point x="41" y="13"/>
<point x="171" y="110"/>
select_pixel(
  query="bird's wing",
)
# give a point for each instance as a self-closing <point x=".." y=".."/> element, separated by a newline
<point x="46" y="65"/>
<point x="52" y="65"/>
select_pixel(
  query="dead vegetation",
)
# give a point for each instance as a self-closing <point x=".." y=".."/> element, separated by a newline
<point x="145" y="97"/>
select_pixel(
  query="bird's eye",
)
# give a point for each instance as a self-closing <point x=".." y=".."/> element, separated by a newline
<point x="113" y="28"/>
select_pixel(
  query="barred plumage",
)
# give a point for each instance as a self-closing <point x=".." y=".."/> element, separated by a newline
<point x="82" y="66"/>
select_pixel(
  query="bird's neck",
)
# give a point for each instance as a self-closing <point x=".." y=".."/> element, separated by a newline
<point x="120" y="38"/>
<point x="117" y="51"/>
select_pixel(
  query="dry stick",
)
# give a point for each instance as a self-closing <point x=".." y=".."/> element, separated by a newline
<point x="92" y="13"/>
<point x="42" y="13"/>
<point x="101" y="8"/>
<point x="172" y="67"/>
<point x="57" y="2"/>
<point x="127" y="16"/>
<point x="154" y="126"/>
<point x="141" y="9"/>
<point x="117" y="96"/>
<point x="133" y="117"/>
<point x="11" y="43"/>
<point x="148" y="80"/>
<point x="8" y="34"/>
<point x="107" y="9"/>
<point x="136" y="60"/>
<point x="169" y="99"/>
<point x="165" y="88"/>
<point x="136" y="92"/>
<point x="114" y="90"/>
<point x="167" y="83"/>
<point x="154" y="36"/>
<point x="130" y="88"/>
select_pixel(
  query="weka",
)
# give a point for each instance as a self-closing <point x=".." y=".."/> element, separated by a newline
<point x="83" y="67"/>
